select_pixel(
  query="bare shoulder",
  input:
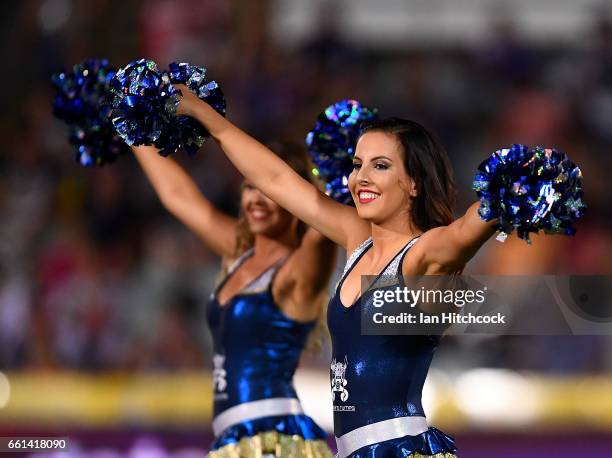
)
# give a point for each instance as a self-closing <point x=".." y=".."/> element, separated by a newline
<point x="430" y="237"/>
<point x="313" y="246"/>
<point x="228" y="261"/>
<point x="356" y="240"/>
<point x="434" y="254"/>
<point x="302" y="279"/>
<point x="309" y="265"/>
<point x="354" y="229"/>
<point x="415" y="262"/>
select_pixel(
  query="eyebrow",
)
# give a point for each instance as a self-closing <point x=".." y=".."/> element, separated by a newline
<point x="375" y="158"/>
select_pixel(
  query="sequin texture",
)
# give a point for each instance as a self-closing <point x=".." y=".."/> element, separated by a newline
<point x="530" y="190"/>
<point x="144" y="103"/>
<point x="331" y="145"/>
<point x="81" y="102"/>
<point x="257" y="349"/>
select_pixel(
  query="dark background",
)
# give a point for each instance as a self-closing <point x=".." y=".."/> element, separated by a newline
<point x="97" y="279"/>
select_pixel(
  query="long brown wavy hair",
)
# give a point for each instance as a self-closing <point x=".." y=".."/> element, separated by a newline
<point x="297" y="158"/>
<point x="427" y="163"/>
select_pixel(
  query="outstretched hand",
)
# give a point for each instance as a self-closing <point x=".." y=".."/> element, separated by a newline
<point x="187" y="100"/>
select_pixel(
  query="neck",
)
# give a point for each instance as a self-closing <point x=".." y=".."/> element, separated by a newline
<point x="390" y="237"/>
<point x="271" y="247"/>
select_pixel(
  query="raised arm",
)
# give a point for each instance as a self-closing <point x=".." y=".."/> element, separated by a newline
<point x="448" y="248"/>
<point x="276" y="179"/>
<point x="180" y="195"/>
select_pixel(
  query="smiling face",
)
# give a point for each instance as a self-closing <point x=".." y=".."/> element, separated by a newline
<point x="381" y="188"/>
<point x="264" y="216"/>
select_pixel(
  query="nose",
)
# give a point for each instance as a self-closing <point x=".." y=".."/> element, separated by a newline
<point x="363" y="176"/>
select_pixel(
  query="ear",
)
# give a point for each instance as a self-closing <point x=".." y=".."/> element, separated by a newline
<point x="414" y="192"/>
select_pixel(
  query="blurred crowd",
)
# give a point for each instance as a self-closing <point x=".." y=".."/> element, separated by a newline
<point x="95" y="275"/>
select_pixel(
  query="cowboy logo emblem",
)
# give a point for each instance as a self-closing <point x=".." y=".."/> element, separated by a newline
<point x="219" y="373"/>
<point x="338" y="381"/>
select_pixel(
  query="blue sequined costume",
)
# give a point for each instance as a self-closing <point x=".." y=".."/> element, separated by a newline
<point x="257" y="349"/>
<point x="377" y="382"/>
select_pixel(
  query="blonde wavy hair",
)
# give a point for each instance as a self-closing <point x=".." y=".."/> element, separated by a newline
<point x="297" y="158"/>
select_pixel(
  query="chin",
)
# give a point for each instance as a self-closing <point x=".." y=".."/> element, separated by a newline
<point x="259" y="229"/>
<point x="268" y="228"/>
<point x="366" y="212"/>
<point x="372" y="215"/>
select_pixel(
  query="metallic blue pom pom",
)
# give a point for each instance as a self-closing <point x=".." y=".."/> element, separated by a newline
<point x="144" y="105"/>
<point x="139" y="95"/>
<point x="331" y="145"/>
<point x="81" y="101"/>
<point x="530" y="190"/>
<point x="188" y="133"/>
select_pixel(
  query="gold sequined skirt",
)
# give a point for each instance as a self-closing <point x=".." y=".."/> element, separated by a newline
<point x="437" y="455"/>
<point x="272" y="444"/>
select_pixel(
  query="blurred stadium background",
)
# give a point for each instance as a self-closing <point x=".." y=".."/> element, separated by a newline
<point x="102" y="293"/>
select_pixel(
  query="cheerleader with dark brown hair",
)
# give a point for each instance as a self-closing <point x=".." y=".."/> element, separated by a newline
<point x="402" y="225"/>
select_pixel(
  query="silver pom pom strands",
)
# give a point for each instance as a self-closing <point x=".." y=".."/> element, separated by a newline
<point x="144" y="103"/>
<point x="530" y="190"/>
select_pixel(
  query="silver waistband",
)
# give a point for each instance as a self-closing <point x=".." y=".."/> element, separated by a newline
<point x="379" y="432"/>
<point x="255" y="409"/>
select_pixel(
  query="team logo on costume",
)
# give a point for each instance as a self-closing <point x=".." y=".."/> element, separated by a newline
<point x="219" y="373"/>
<point x="338" y="380"/>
